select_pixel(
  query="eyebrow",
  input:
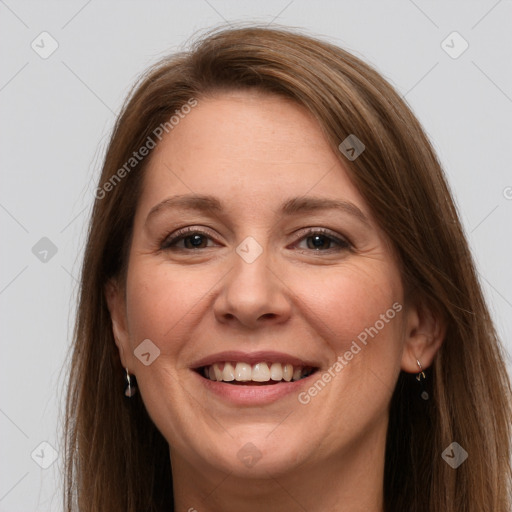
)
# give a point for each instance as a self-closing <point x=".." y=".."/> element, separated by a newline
<point x="292" y="206"/>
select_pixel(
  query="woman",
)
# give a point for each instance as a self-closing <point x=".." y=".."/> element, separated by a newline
<point x="278" y="301"/>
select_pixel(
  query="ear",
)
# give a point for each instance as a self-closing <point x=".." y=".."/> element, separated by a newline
<point x="115" y="297"/>
<point x="424" y="333"/>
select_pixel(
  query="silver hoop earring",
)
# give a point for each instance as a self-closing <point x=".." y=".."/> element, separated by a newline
<point x="130" y="388"/>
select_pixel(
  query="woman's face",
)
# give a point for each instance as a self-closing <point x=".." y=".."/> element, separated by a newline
<point x="280" y="264"/>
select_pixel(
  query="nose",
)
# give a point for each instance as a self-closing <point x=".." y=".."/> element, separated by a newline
<point x="252" y="295"/>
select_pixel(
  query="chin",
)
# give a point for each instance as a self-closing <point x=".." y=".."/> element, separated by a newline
<point x="259" y="455"/>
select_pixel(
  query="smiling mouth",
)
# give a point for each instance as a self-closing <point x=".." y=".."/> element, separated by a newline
<point x="264" y="373"/>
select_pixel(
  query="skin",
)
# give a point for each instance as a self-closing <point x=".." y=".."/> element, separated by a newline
<point x="253" y="151"/>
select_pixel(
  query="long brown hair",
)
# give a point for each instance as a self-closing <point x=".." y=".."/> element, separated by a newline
<point x="116" y="459"/>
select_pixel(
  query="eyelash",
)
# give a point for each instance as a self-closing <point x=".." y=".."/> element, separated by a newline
<point x="169" y="241"/>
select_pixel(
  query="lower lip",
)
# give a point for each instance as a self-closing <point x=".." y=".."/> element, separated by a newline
<point x="254" y="395"/>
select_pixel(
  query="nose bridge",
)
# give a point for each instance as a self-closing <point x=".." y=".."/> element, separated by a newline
<point x="251" y="293"/>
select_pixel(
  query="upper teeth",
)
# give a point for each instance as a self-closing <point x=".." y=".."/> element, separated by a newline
<point x="260" y="372"/>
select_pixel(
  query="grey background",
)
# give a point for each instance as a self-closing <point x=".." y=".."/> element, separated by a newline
<point x="57" y="113"/>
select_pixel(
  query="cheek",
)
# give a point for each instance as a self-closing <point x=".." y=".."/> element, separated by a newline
<point x="358" y="313"/>
<point x="355" y="304"/>
<point x="161" y="303"/>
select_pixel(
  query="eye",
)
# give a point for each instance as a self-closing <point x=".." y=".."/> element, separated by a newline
<point x="186" y="239"/>
<point x="323" y="240"/>
<point x="317" y="240"/>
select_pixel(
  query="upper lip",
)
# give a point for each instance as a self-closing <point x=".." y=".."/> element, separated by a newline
<point x="253" y="358"/>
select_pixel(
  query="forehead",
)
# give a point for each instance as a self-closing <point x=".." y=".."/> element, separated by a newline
<point x="244" y="144"/>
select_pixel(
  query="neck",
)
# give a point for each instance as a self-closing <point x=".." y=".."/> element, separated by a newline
<point x="348" y="482"/>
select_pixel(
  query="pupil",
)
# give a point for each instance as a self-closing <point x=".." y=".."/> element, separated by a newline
<point x="319" y="241"/>
<point x="195" y="240"/>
